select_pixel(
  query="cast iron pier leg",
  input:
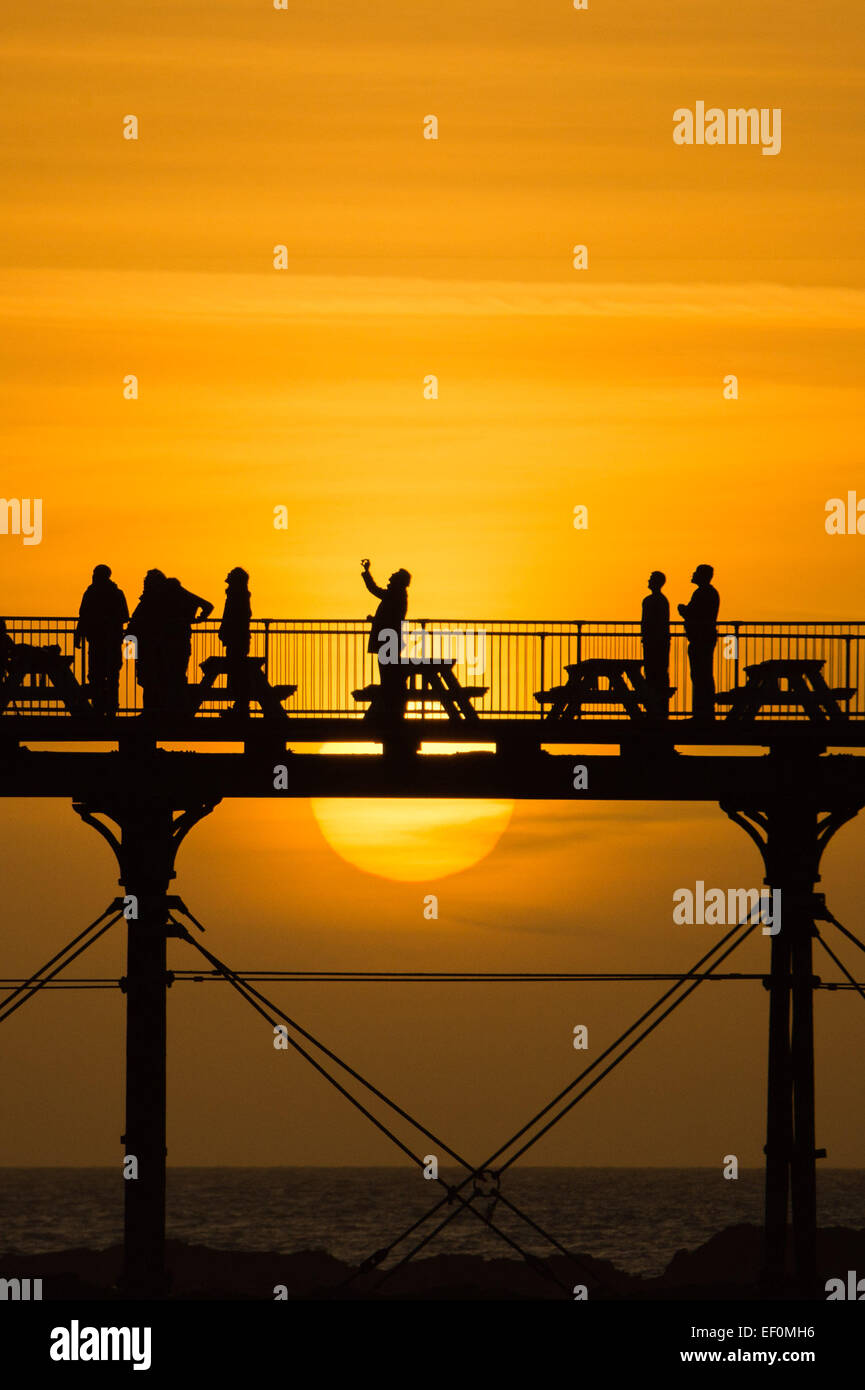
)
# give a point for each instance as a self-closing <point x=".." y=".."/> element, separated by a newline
<point x="779" y="1112"/>
<point x="150" y="835"/>
<point x="146" y="871"/>
<point x="791" y="838"/>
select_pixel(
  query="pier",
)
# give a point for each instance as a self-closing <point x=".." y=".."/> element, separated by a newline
<point x="526" y="704"/>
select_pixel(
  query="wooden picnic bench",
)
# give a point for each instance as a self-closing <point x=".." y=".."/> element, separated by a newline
<point x="430" y="683"/>
<point x="258" y="688"/>
<point x="42" y="675"/>
<point x="805" y="686"/>
<point x="600" y="681"/>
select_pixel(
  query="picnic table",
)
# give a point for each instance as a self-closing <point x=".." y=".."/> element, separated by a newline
<point x="258" y="688"/>
<point x="805" y="686"/>
<point x="42" y="675"/>
<point x="429" y="683"/>
<point x="601" y="681"/>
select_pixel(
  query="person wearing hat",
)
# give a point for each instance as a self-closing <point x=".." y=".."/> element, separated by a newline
<point x="101" y="619"/>
<point x="235" y="637"/>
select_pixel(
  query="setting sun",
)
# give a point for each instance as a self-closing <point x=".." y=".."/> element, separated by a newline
<point x="410" y="839"/>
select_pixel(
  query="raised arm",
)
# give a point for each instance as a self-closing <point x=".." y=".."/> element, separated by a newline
<point x="371" y="584"/>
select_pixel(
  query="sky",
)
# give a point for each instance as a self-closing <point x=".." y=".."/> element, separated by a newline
<point x="303" y="387"/>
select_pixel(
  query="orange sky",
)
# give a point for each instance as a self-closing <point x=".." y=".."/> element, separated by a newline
<point x="303" y="387"/>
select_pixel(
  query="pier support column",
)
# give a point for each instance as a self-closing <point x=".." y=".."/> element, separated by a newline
<point x="149" y="839"/>
<point x="791" y="835"/>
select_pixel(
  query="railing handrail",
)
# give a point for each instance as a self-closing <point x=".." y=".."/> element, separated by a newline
<point x="508" y="664"/>
<point x="538" y="623"/>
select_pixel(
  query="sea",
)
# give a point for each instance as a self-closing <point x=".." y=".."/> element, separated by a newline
<point x="636" y="1217"/>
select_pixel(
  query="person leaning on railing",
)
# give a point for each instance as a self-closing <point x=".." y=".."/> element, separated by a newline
<point x="162" y="626"/>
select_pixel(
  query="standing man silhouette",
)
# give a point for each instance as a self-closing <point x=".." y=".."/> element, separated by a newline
<point x="101" y="620"/>
<point x="655" y="632"/>
<point x="386" y="637"/>
<point x="700" y="614"/>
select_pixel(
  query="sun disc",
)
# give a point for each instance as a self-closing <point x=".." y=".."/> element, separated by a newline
<point x="410" y="839"/>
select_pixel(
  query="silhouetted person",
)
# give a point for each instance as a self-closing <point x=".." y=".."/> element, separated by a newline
<point x="234" y="636"/>
<point x="7" y="650"/>
<point x="655" y="632"/>
<point x="386" y="636"/>
<point x="700" y="614"/>
<point x="182" y="609"/>
<point x="147" y="626"/>
<point x="101" y="619"/>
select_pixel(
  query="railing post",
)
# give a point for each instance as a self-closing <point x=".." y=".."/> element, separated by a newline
<point x="847" y="641"/>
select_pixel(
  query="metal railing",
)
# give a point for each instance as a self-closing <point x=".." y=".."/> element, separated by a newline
<point x="327" y="659"/>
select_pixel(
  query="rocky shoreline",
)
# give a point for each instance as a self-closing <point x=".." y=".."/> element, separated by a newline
<point x="726" y="1267"/>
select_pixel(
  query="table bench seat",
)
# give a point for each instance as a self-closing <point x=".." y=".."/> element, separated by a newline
<point x="428" y="683"/>
<point x="805" y="689"/>
<point x="626" y="686"/>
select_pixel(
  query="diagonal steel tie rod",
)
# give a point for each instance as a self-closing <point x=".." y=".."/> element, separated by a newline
<point x="504" y="1147"/>
<point x="27" y="988"/>
<point x="258" y="1000"/>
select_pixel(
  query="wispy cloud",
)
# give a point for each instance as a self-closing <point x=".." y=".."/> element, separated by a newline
<point x="275" y="296"/>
